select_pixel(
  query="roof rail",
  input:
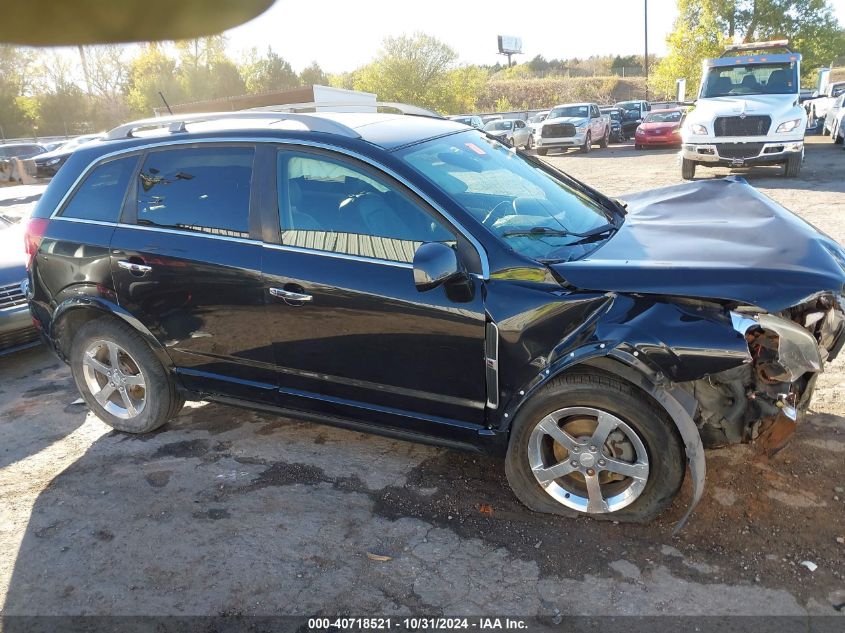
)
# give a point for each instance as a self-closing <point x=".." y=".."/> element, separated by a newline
<point x="756" y="46"/>
<point x="401" y="108"/>
<point x="177" y="122"/>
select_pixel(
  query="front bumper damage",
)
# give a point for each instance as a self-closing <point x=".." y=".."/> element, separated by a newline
<point x="762" y="400"/>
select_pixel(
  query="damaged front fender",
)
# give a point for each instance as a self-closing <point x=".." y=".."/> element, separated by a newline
<point x="794" y="351"/>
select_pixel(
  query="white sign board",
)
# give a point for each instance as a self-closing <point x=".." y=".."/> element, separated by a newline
<point x="510" y="44"/>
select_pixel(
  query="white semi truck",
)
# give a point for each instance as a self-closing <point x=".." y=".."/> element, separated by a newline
<point x="747" y="111"/>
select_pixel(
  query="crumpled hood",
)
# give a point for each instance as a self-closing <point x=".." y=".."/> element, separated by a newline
<point x="719" y="239"/>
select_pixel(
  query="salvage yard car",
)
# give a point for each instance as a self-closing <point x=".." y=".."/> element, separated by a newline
<point x="660" y="128"/>
<point x="514" y="132"/>
<point x="413" y="277"/>
<point x="16" y="329"/>
<point x="747" y="112"/>
<point x="572" y="125"/>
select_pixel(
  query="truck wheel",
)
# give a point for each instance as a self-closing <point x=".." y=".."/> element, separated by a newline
<point x="605" y="140"/>
<point x="530" y="143"/>
<point x="837" y="134"/>
<point x="542" y="151"/>
<point x="590" y="444"/>
<point x="793" y="166"/>
<point x="588" y="144"/>
<point x="687" y="169"/>
<point x="121" y="379"/>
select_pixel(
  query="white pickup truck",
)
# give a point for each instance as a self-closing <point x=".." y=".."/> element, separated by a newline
<point x="817" y="108"/>
<point x="571" y="125"/>
<point x="747" y="111"/>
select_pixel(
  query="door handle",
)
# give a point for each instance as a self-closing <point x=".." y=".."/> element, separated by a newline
<point x="289" y="295"/>
<point x="135" y="269"/>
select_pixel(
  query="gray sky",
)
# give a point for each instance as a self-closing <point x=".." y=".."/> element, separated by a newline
<point x="344" y="34"/>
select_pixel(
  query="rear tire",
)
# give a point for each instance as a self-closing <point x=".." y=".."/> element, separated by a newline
<point x="793" y="166"/>
<point x="137" y="398"/>
<point x="568" y="402"/>
<point x="687" y="169"/>
<point x="542" y="151"/>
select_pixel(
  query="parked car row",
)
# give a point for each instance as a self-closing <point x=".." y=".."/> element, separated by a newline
<point x="43" y="160"/>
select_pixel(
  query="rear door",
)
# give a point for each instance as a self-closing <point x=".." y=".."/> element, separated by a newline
<point x="187" y="264"/>
<point x="352" y="335"/>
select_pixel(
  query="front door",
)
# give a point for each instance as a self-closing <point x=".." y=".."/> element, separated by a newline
<point x="352" y="335"/>
<point x="185" y="263"/>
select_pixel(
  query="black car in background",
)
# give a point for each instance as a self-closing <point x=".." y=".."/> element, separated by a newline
<point x="47" y="164"/>
<point x="20" y="150"/>
<point x="616" y="115"/>
<point x="414" y="277"/>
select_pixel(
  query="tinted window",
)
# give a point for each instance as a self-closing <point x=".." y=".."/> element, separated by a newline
<point x="101" y="195"/>
<point x="335" y="206"/>
<point x="204" y="190"/>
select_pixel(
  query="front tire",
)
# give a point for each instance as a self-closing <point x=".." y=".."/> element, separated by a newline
<point x="793" y="166"/>
<point x="542" y="151"/>
<point x="588" y="143"/>
<point x="120" y="377"/>
<point x="590" y="444"/>
<point x="605" y="141"/>
<point x="687" y="169"/>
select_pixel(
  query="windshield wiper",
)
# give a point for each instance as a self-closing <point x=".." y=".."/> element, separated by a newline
<point x="545" y="231"/>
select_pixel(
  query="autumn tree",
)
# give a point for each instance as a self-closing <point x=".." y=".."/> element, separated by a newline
<point x="268" y="72"/>
<point x="421" y="70"/>
<point x="704" y="27"/>
<point x="313" y="75"/>
<point x="152" y="71"/>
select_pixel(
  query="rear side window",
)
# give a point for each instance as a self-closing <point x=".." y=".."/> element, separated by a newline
<point x="100" y="197"/>
<point x="197" y="189"/>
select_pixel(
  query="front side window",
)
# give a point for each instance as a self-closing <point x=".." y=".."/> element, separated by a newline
<point x="750" y="79"/>
<point x="100" y="197"/>
<point x="332" y="205"/>
<point x="197" y="189"/>
<point x="519" y="201"/>
<point x="499" y="125"/>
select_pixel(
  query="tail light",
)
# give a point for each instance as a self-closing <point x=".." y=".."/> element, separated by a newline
<point x="32" y="238"/>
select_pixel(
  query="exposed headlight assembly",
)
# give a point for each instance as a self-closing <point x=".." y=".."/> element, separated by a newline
<point x="697" y="128"/>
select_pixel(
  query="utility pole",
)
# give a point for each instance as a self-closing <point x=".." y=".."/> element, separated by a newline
<point x="645" y="29"/>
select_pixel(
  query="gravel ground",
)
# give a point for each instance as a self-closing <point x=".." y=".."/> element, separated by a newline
<point x="226" y="511"/>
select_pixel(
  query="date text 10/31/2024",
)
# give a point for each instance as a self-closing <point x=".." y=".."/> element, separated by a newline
<point x="417" y="624"/>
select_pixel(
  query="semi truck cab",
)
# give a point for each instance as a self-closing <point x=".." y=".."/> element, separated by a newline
<point x="747" y="111"/>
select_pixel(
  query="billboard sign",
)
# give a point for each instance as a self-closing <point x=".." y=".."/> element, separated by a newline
<point x="510" y="45"/>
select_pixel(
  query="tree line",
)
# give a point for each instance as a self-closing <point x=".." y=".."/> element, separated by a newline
<point x="91" y="88"/>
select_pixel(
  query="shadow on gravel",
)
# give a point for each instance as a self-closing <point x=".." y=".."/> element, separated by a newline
<point x="231" y="512"/>
<point x="24" y="428"/>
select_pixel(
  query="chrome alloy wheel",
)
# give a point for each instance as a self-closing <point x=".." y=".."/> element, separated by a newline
<point x="114" y="379"/>
<point x="588" y="459"/>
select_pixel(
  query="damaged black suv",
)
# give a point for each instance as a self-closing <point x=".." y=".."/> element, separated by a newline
<point x="406" y="275"/>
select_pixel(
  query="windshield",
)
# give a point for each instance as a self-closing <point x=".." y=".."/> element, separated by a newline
<point x="663" y="117"/>
<point x="499" y="125"/>
<point x="631" y="111"/>
<point x="581" y="111"/>
<point x="508" y="194"/>
<point x="750" y="79"/>
<point x="613" y="114"/>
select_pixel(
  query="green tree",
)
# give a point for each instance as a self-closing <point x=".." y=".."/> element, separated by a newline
<point x="410" y="69"/>
<point x="704" y="27"/>
<point x="267" y="73"/>
<point x="152" y="70"/>
<point x="205" y="71"/>
<point x="14" y="119"/>
<point x="313" y="75"/>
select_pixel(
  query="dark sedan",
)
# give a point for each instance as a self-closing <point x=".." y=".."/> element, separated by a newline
<point x="47" y="164"/>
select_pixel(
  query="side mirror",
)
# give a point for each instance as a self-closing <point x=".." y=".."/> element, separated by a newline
<point x="435" y="264"/>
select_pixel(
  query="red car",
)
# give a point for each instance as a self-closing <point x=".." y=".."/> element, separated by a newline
<point x="660" y="128"/>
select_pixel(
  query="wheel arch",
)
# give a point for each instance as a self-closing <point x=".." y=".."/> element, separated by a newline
<point x="74" y="312"/>
<point x="678" y="404"/>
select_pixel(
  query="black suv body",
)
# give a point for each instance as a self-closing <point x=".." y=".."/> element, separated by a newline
<point x="409" y="276"/>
